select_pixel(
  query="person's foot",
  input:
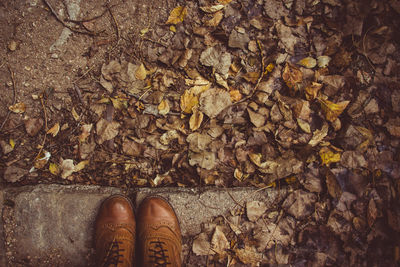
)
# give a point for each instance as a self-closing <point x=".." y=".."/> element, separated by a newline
<point x="115" y="233"/>
<point x="159" y="235"/>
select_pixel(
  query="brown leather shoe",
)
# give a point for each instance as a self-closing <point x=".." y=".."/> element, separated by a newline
<point x="159" y="235"/>
<point x="115" y="233"/>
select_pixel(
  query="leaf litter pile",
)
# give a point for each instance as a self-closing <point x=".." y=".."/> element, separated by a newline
<point x="299" y="95"/>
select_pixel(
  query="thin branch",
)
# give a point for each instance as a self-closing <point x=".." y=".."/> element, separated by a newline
<point x="65" y="24"/>
<point x="259" y="78"/>
<point x="14" y="97"/>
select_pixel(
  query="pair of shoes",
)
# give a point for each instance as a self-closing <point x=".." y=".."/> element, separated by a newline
<point x="157" y="233"/>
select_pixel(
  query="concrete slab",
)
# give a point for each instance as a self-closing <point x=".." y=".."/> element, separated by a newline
<point x="52" y="225"/>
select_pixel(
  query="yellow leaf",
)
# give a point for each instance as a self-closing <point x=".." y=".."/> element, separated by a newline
<point x="224" y="2"/>
<point x="54" y="169"/>
<point x="172" y="28"/>
<point x="188" y="101"/>
<point x="163" y="107"/>
<point x="292" y="76"/>
<point x="81" y="165"/>
<point x="269" y="68"/>
<point x="141" y="72"/>
<point x="305" y="126"/>
<point x="195" y="120"/>
<point x="54" y="130"/>
<point x="308" y="62"/>
<point x="18" y="108"/>
<point x="144" y="31"/>
<point x="252" y="77"/>
<point x="216" y="19"/>
<point x="312" y="90"/>
<point x="328" y="156"/>
<point x="104" y="100"/>
<point x="12" y="143"/>
<point x="119" y="103"/>
<point x="332" y="110"/>
<point x="235" y="95"/>
<point x="177" y="15"/>
<point x="75" y="114"/>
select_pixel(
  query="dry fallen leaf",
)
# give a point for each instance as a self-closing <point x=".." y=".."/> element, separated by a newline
<point x="305" y="126"/>
<point x="319" y="135"/>
<point x="312" y="90"/>
<point x="18" y="108"/>
<point x="252" y="77"/>
<point x="212" y="9"/>
<point x="75" y="114"/>
<point x="257" y="119"/>
<point x="332" y="185"/>
<point x="202" y="246"/>
<point x="195" y="120"/>
<point x="332" y="110"/>
<point x="67" y="168"/>
<point x="323" y="61"/>
<point x="255" y="209"/>
<point x="216" y="19"/>
<point x="308" y="62"/>
<point x="141" y="72"/>
<point x="248" y="255"/>
<point x="219" y="243"/>
<point x="213" y="101"/>
<point x="42" y="159"/>
<point x="177" y="15"/>
<point x="106" y="130"/>
<point x="54" y="169"/>
<point x="235" y="95"/>
<point x="163" y="107"/>
<point x="86" y="128"/>
<point x="328" y="156"/>
<point x="292" y="76"/>
<point x="188" y="101"/>
<point x="81" y="165"/>
<point x="54" y="130"/>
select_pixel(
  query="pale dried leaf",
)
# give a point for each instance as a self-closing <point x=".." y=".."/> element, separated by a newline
<point x="202" y="246"/>
<point x="212" y="9"/>
<point x="213" y="101"/>
<point x="54" y="130"/>
<point x="86" y="128"/>
<point x="195" y="120"/>
<point x="319" y="135"/>
<point x="141" y="72"/>
<point x="219" y="243"/>
<point x="257" y="119"/>
<point x="67" y="168"/>
<point x="163" y="107"/>
<point x="18" y="108"/>
<point x="255" y="209"/>
<point x="106" y="130"/>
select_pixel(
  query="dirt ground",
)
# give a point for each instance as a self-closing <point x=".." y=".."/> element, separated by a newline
<point x="295" y="93"/>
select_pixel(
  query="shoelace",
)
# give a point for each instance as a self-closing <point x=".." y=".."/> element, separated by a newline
<point x="158" y="257"/>
<point x="114" y="255"/>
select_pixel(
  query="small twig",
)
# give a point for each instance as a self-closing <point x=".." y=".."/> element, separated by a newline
<point x="363" y="45"/>
<point x="45" y="126"/>
<point x="259" y="78"/>
<point x="89" y="19"/>
<point x="153" y="41"/>
<point x="115" y="24"/>
<point x="14" y="97"/>
<point x="65" y="24"/>
<point x="83" y="75"/>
